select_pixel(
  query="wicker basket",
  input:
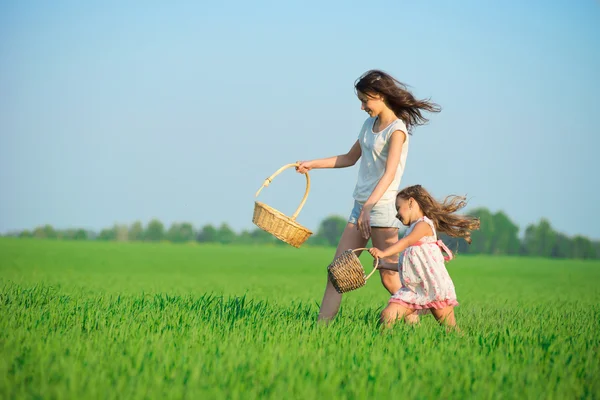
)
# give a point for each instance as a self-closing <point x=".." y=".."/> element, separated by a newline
<point x="346" y="273"/>
<point x="278" y="224"/>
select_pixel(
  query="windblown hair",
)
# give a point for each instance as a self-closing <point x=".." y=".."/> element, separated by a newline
<point x="442" y="214"/>
<point x="396" y="96"/>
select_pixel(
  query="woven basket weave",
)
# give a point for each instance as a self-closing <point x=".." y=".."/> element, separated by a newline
<point x="346" y="273"/>
<point x="278" y="224"/>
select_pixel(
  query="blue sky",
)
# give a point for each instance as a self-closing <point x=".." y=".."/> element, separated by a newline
<point x="112" y="112"/>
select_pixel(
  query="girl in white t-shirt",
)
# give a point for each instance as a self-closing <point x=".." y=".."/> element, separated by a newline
<point x="382" y="147"/>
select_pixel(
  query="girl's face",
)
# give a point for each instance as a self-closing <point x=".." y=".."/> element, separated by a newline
<point x="371" y="104"/>
<point x="405" y="210"/>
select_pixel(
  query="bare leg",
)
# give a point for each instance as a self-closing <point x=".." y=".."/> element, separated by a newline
<point x="394" y="312"/>
<point x="445" y="317"/>
<point x="382" y="239"/>
<point x="351" y="239"/>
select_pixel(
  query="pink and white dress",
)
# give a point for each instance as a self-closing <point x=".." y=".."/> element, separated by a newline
<point x="425" y="281"/>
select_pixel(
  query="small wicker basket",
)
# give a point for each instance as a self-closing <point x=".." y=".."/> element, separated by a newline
<point x="346" y="273"/>
<point x="278" y="224"/>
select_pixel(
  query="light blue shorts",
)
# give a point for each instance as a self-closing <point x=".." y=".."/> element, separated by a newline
<point x="382" y="215"/>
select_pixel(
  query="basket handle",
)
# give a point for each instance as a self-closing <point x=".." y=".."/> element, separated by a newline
<point x="376" y="263"/>
<point x="270" y="179"/>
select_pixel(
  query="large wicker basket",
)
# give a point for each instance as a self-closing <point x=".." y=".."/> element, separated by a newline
<point x="346" y="273"/>
<point x="278" y="224"/>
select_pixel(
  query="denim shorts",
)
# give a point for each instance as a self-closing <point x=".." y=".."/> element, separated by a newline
<point x="382" y="215"/>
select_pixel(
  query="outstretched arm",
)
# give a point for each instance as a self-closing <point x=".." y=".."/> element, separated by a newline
<point x="341" y="161"/>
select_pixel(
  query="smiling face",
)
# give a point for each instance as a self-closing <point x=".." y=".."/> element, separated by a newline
<point x="407" y="209"/>
<point x="372" y="104"/>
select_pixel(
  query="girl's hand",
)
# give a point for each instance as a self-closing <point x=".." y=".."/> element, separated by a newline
<point x="303" y="166"/>
<point x="375" y="252"/>
<point x="364" y="222"/>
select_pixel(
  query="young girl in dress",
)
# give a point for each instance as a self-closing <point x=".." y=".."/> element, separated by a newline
<point x="382" y="147"/>
<point x="426" y="284"/>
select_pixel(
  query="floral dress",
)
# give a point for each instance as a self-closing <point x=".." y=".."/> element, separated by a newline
<point x="425" y="281"/>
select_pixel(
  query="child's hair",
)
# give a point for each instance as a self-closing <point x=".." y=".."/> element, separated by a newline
<point x="442" y="214"/>
<point x="396" y="96"/>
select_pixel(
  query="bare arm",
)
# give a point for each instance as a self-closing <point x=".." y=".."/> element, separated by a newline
<point x="421" y="229"/>
<point x="341" y="161"/>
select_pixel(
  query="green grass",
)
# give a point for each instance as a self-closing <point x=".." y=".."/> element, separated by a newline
<point x="137" y="320"/>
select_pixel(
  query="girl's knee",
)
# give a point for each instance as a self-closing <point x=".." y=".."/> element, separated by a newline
<point x="445" y="316"/>
<point x="387" y="317"/>
<point x="391" y="314"/>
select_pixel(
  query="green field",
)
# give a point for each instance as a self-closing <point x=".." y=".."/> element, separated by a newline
<point x="139" y="320"/>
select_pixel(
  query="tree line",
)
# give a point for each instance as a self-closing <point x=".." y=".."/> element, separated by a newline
<point x="498" y="235"/>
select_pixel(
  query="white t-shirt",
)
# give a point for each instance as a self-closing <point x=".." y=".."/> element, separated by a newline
<point x="375" y="149"/>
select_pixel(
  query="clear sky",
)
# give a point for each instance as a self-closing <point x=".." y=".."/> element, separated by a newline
<point x="112" y="111"/>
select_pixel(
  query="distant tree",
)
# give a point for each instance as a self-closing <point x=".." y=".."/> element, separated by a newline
<point x="583" y="248"/>
<point x="45" y="232"/>
<point x="73" y="234"/>
<point x="136" y="231"/>
<point x="25" y="234"/>
<point x="482" y="239"/>
<point x="80" y="234"/>
<point x="107" y="234"/>
<point x="540" y="239"/>
<point x="225" y="234"/>
<point x="563" y="247"/>
<point x="66" y="234"/>
<point x="187" y="232"/>
<point x="497" y="235"/>
<point x="17" y="234"/>
<point x="505" y="239"/>
<point x="179" y="233"/>
<point x="317" y="240"/>
<point x="331" y="229"/>
<point x="245" y="237"/>
<point x="122" y="232"/>
<point x="155" y="231"/>
<point x="260" y="236"/>
<point x="208" y="234"/>
<point x="173" y="233"/>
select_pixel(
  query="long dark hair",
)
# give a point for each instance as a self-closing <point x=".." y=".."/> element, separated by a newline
<point x="442" y="214"/>
<point x="396" y="96"/>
